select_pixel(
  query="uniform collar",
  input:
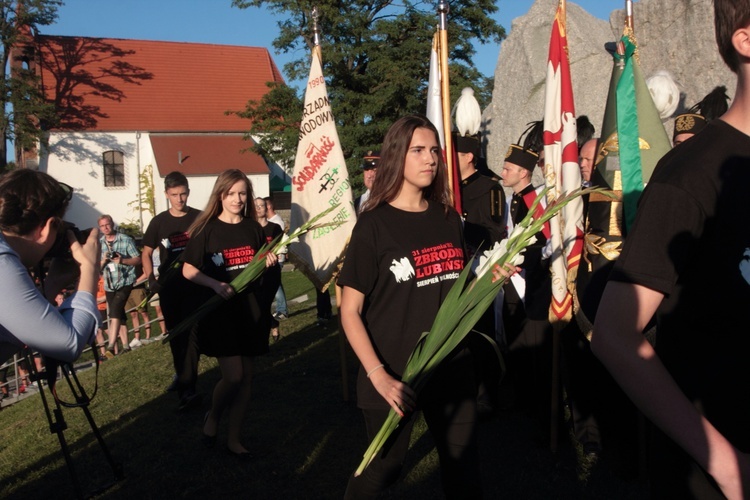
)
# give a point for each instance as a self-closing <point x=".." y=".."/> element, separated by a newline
<point x="528" y="189"/>
<point x="471" y="178"/>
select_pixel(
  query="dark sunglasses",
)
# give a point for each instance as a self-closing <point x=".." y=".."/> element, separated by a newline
<point x="68" y="191"/>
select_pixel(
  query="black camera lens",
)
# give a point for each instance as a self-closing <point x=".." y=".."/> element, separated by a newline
<point x="61" y="247"/>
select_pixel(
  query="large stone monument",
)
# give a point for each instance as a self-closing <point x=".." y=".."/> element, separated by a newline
<point x="672" y="35"/>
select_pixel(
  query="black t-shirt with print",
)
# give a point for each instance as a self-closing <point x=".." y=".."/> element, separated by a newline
<point x="168" y="235"/>
<point x="404" y="263"/>
<point x="691" y="241"/>
<point x="221" y="251"/>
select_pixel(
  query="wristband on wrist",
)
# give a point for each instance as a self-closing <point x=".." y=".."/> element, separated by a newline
<point x="375" y="369"/>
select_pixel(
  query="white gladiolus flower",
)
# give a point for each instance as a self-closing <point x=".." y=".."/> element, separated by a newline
<point x="286" y="241"/>
<point x="499" y="249"/>
<point x="490" y="256"/>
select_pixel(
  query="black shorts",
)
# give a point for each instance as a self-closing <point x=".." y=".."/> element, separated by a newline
<point x="116" y="301"/>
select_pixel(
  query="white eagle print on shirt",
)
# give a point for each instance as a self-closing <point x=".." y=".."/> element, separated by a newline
<point x="745" y="265"/>
<point x="166" y="243"/>
<point x="218" y="259"/>
<point x="402" y="269"/>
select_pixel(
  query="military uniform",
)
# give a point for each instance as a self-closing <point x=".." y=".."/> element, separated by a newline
<point x="483" y="205"/>
<point x="525" y="314"/>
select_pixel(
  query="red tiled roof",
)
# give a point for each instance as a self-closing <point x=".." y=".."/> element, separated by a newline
<point x="105" y="84"/>
<point x="205" y="154"/>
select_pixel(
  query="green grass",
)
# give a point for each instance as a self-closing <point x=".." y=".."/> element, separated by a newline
<point x="304" y="428"/>
<point x="296" y="285"/>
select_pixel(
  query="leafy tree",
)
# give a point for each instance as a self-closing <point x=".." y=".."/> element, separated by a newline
<point x="275" y="122"/>
<point x="376" y="62"/>
<point x="20" y="92"/>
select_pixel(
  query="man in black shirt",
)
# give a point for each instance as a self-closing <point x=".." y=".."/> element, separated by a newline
<point x="685" y="262"/>
<point x="168" y="234"/>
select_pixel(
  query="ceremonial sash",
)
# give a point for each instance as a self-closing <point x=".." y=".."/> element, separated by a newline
<point x="529" y="198"/>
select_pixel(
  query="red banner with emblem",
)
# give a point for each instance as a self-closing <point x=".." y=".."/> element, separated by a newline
<point x="561" y="170"/>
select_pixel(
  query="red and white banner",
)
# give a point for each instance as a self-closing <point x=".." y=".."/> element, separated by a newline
<point x="561" y="169"/>
<point x="320" y="180"/>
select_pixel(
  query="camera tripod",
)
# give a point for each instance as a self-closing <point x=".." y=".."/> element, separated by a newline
<point x="56" y="419"/>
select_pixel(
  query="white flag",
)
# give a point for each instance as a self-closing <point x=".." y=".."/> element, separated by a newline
<point x="320" y="180"/>
<point x="434" y="96"/>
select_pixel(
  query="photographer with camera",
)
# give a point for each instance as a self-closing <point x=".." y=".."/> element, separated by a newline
<point x="32" y="205"/>
<point x="118" y="261"/>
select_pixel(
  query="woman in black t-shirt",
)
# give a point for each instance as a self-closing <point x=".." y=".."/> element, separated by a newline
<point x="405" y="253"/>
<point x="223" y="241"/>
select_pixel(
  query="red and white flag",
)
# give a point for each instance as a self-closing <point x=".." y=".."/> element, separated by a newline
<point x="320" y="180"/>
<point x="561" y="169"/>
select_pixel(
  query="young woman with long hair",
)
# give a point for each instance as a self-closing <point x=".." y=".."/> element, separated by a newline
<point x="405" y="253"/>
<point x="223" y="241"/>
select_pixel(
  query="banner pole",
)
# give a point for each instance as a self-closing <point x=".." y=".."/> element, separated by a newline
<point x="443" y="10"/>
<point x="316" y="51"/>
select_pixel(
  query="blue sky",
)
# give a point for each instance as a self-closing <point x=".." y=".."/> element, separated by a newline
<point x="216" y="21"/>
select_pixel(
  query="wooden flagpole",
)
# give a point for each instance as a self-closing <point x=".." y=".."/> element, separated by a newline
<point x="443" y="10"/>
<point x="342" y="337"/>
<point x="557" y="327"/>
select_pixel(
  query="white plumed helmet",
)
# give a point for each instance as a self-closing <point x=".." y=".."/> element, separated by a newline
<point x="665" y="93"/>
<point x="468" y="113"/>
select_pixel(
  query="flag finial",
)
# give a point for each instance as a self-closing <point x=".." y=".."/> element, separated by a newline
<point x="316" y="31"/>
<point x="443" y="10"/>
<point x="629" y="14"/>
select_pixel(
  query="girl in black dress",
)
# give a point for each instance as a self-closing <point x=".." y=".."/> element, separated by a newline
<point x="223" y="241"/>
